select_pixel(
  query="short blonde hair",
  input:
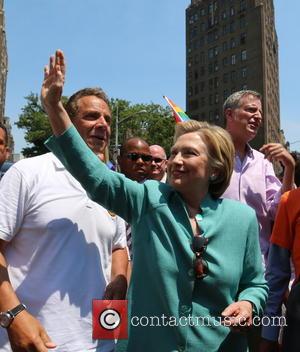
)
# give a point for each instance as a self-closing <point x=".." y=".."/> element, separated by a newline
<point x="220" y="151"/>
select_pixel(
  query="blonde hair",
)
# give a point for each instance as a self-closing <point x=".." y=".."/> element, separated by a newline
<point x="220" y="151"/>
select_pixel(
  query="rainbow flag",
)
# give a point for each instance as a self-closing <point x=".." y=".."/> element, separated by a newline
<point x="178" y="114"/>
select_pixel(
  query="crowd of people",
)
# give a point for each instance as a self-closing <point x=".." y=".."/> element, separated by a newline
<point x="190" y="234"/>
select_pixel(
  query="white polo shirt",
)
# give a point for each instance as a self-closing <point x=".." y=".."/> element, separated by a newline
<point x="59" y="255"/>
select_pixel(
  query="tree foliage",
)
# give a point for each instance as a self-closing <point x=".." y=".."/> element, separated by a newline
<point x="36" y="125"/>
<point x="152" y="122"/>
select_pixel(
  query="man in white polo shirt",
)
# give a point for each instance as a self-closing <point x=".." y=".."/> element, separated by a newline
<point x="58" y="249"/>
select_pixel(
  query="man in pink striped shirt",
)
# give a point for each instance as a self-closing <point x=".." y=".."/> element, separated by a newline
<point x="253" y="180"/>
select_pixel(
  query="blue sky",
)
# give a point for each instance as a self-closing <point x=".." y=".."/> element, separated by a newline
<point x="133" y="49"/>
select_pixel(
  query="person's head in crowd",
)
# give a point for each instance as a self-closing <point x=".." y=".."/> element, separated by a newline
<point x="90" y="112"/>
<point x="159" y="162"/>
<point x="243" y="115"/>
<point x="135" y="159"/>
<point x="201" y="159"/>
<point x="4" y="149"/>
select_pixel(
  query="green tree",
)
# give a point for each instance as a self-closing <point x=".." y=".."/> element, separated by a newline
<point x="36" y="125"/>
<point x="152" y="122"/>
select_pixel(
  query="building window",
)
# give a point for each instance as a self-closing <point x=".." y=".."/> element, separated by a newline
<point x="244" y="87"/>
<point x="243" y="5"/>
<point x="210" y="68"/>
<point x="210" y="37"/>
<point x="202" y="86"/>
<point x="202" y="70"/>
<point x="232" y="43"/>
<point x="225" y="46"/>
<point x="225" y="77"/>
<point x="201" y="42"/>
<point x="216" y="98"/>
<point x="225" y="61"/>
<point x="202" y="57"/>
<point x="202" y="101"/>
<point x="244" y="72"/>
<point x="244" y="55"/>
<point x="210" y="116"/>
<point x="224" y="15"/>
<point x="243" y="22"/>
<point x="216" y="66"/>
<point x="210" y="53"/>
<point x="232" y="27"/>
<point x="217" y="116"/>
<point x="203" y="26"/>
<point x="232" y="11"/>
<point x="225" y="94"/>
<point x="196" y="89"/>
<point x="216" y="81"/>
<point x="226" y="28"/>
<point x="216" y="50"/>
<point x="210" y="84"/>
<point x="243" y="38"/>
<point x="233" y="75"/>
<point x="210" y="99"/>
<point x="196" y="75"/>
<point x="202" y="12"/>
<point x="233" y="59"/>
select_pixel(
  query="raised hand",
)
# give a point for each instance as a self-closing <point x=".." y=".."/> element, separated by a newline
<point x="277" y="152"/>
<point x="27" y="334"/>
<point x="54" y="79"/>
<point x="51" y="92"/>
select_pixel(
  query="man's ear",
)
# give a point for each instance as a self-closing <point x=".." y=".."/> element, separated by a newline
<point x="228" y="114"/>
<point x="7" y="152"/>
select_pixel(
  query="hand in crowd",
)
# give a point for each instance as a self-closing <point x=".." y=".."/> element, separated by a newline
<point x="269" y="346"/>
<point x="54" y="78"/>
<point x="238" y="315"/>
<point x="27" y="334"/>
<point x="116" y="289"/>
<point x="277" y="152"/>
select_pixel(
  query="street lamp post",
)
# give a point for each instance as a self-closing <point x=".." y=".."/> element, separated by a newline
<point x="118" y="122"/>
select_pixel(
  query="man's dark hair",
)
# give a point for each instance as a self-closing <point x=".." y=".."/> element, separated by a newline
<point x="5" y="132"/>
<point x="71" y="105"/>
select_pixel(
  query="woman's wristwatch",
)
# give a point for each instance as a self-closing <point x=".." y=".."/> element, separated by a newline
<point x="6" y="318"/>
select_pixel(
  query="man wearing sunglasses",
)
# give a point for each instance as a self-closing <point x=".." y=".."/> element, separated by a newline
<point x="135" y="159"/>
<point x="159" y="163"/>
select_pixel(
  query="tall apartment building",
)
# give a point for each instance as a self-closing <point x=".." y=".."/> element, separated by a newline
<point x="3" y="61"/>
<point x="232" y="45"/>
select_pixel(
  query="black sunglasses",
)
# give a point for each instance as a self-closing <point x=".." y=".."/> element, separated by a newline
<point x="200" y="265"/>
<point x="135" y="156"/>
<point x="157" y="160"/>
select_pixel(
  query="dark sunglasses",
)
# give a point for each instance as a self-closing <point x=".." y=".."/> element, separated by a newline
<point x="157" y="160"/>
<point x="135" y="156"/>
<point x="200" y="265"/>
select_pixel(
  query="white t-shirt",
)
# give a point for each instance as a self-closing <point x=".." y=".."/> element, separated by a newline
<point x="59" y="255"/>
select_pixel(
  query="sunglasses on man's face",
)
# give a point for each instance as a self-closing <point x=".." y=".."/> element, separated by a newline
<point x="157" y="160"/>
<point x="135" y="156"/>
<point x="200" y="265"/>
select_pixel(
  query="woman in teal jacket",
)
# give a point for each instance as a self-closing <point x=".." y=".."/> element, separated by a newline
<point x="196" y="256"/>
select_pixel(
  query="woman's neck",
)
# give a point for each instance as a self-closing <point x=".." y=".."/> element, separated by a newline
<point x="193" y="202"/>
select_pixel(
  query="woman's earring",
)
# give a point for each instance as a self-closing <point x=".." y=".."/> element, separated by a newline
<point x="212" y="177"/>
